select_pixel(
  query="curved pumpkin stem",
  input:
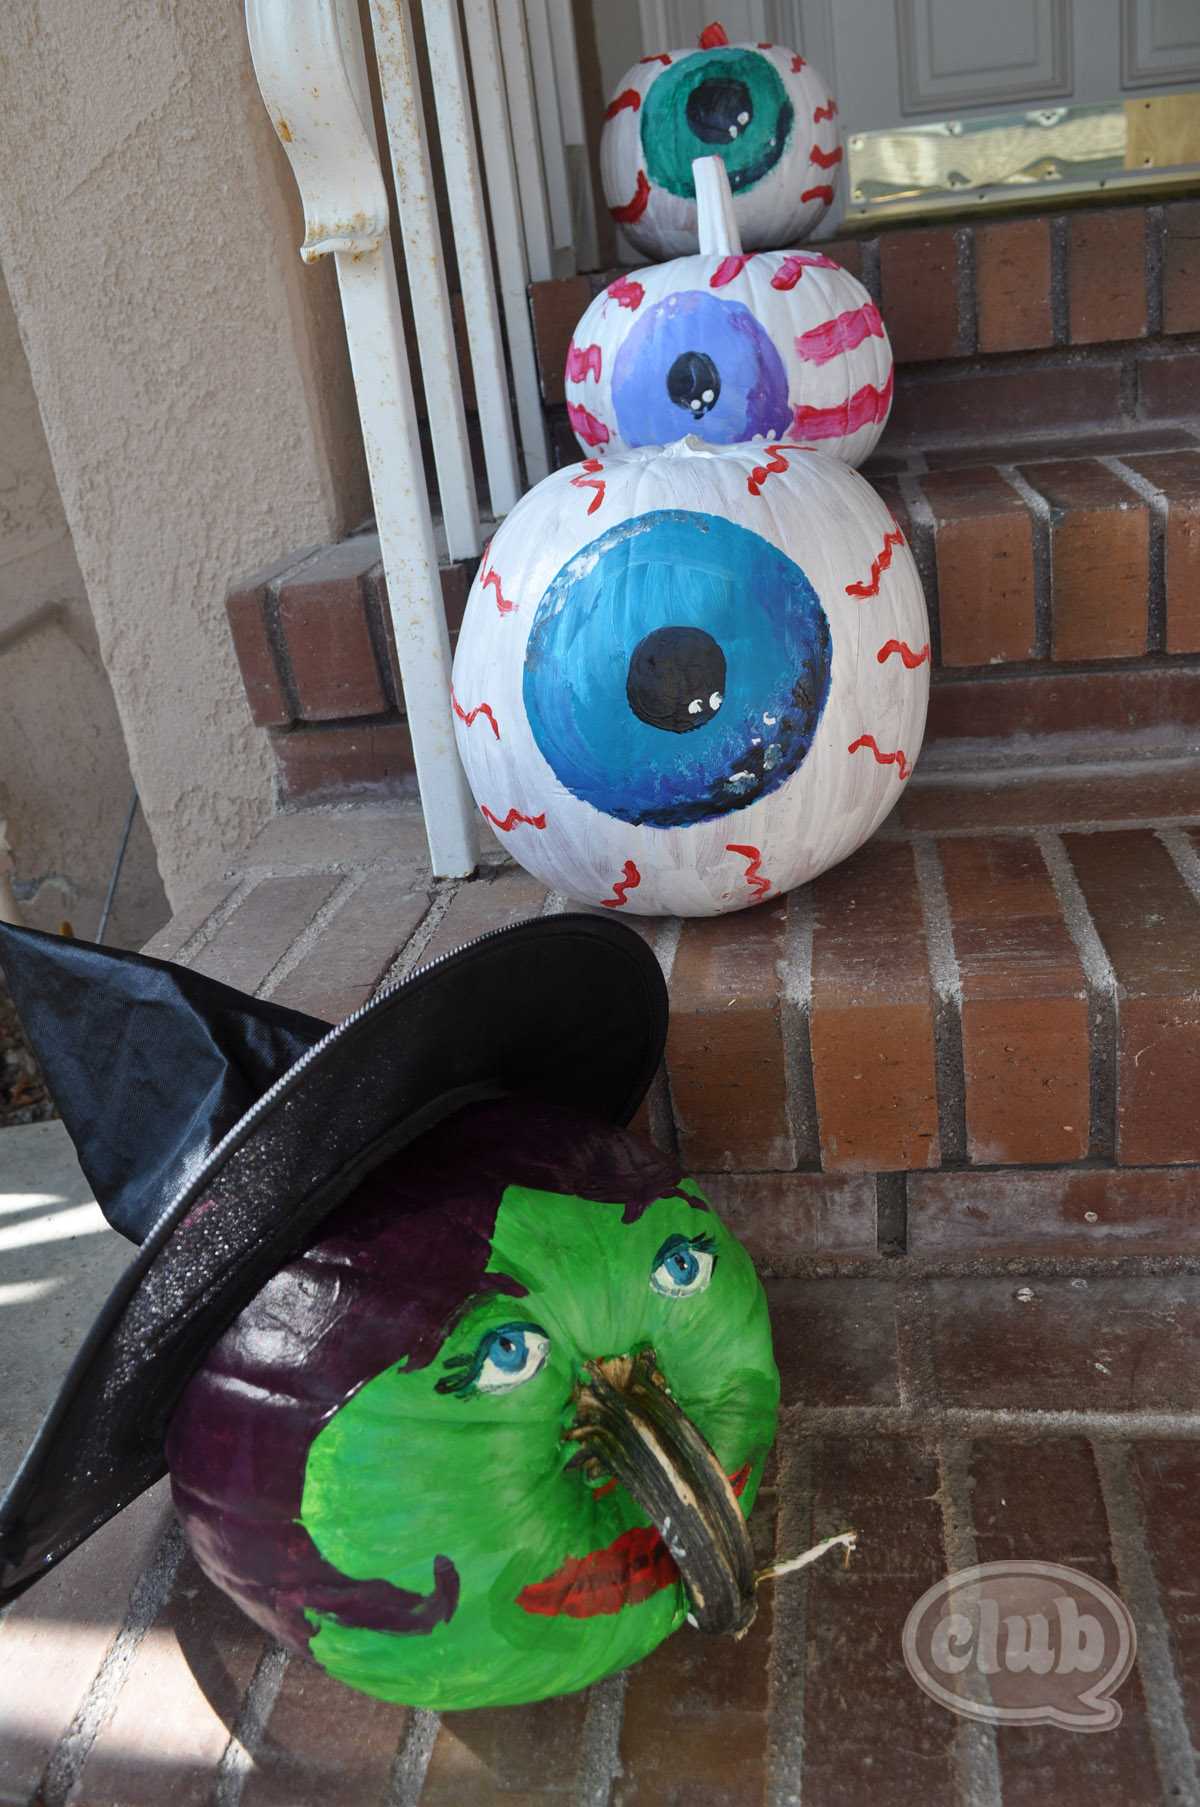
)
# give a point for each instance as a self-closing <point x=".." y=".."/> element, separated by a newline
<point x="716" y="223"/>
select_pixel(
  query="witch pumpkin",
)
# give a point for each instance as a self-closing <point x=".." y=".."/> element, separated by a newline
<point x="463" y="1389"/>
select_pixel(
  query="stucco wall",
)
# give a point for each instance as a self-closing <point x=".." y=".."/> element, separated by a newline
<point x="190" y="372"/>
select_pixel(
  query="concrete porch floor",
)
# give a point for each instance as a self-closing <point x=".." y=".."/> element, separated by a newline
<point x="956" y="1398"/>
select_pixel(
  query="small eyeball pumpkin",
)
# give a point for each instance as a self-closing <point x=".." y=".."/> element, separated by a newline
<point x="692" y="678"/>
<point x="760" y="107"/>
<point x="731" y="345"/>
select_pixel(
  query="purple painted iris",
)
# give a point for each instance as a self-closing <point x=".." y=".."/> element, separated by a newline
<point x="695" y="363"/>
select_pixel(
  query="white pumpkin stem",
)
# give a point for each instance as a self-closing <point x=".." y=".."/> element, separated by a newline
<point x="719" y="235"/>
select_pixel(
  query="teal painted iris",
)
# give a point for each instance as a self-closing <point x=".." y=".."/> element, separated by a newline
<point x="676" y="669"/>
<point x="725" y="102"/>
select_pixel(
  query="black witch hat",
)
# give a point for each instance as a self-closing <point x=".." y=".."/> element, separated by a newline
<point x="218" y="1130"/>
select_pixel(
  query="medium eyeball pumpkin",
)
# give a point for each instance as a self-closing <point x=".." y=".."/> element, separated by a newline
<point x="760" y="107"/>
<point x="689" y="679"/>
<point x="731" y="345"/>
<point x="373" y="1461"/>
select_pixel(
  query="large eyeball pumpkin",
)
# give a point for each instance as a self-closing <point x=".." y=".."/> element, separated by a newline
<point x="760" y="107"/>
<point x="730" y="345"/>
<point x="691" y="678"/>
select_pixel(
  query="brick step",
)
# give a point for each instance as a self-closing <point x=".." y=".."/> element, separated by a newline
<point x="1064" y="601"/>
<point x="1048" y="324"/>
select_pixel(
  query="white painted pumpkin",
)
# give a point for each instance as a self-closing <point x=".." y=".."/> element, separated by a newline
<point x="731" y="345"/>
<point x="691" y="678"/>
<point x="761" y="108"/>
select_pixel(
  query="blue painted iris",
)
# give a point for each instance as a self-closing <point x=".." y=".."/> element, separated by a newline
<point x="694" y="363"/>
<point x="676" y="669"/>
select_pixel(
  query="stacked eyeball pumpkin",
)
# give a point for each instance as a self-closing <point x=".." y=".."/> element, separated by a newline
<point x="730" y="346"/>
<point x="765" y="111"/>
<point x="689" y="679"/>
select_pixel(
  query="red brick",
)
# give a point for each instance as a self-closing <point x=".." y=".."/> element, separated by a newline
<point x="269" y="706"/>
<point x="355" y="949"/>
<point x="1024" y="1005"/>
<point x="1102" y="442"/>
<point x="918" y="275"/>
<point x="555" y="309"/>
<point x="845" y="251"/>
<point x="1090" y="1211"/>
<point x="262" y="929"/>
<point x="1181" y="267"/>
<point x="776" y="1215"/>
<point x="835" y="1342"/>
<point x="1177" y="475"/>
<point x="166" y="1736"/>
<point x="323" y="617"/>
<point x="54" y="1638"/>
<point x="725" y="1044"/>
<point x="870" y="1734"/>
<point x="1169" y="387"/>
<point x="511" y="1757"/>
<point x="1043" y="1501"/>
<point x="1099" y="560"/>
<point x="339" y="765"/>
<point x="183" y="925"/>
<point x="486" y="903"/>
<point x="1149" y="923"/>
<point x="984" y="566"/>
<point x="1012" y="285"/>
<point x="1135" y="794"/>
<point x="1116" y="704"/>
<point x="975" y="405"/>
<point x="1112" y="1345"/>
<point x="1106" y="275"/>
<point x="1166" y="1480"/>
<point x="872" y="1016"/>
<point x="324" y="1743"/>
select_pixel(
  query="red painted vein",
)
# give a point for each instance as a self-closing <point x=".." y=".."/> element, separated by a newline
<point x="764" y="46"/>
<point x="798" y="63"/>
<point x="840" y="334"/>
<point x="633" y="210"/>
<point x="626" y="293"/>
<point x="591" y="482"/>
<point x="862" y="409"/>
<point x="713" y="36"/>
<point x="583" y="361"/>
<point x="628" y="98"/>
<point x="897" y="758"/>
<point x="821" y="193"/>
<point x="758" y="476"/>
<point x="586" y="425"/>
<point x="728" y="268"/>
<point x="825" y="159"/>
<point x="911" y="659"/>
<point x="468" y="717"/>
<point x="757" y="880"/>
<point x="511" y="819"/>
<point x="792" y="268"/>
<point x="629" y="882"/>
<point x="492" y="577"/>
<point x="825" y="112"/>
<point x="878" y="566"/>
<point x="662" y="57"/>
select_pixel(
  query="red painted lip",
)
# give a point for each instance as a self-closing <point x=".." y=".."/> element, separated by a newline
<point x="634" y="1566"/>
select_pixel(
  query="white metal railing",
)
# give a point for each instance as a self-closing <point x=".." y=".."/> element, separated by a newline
<point x="533" y="221"/>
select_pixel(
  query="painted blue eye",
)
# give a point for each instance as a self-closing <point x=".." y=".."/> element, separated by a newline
<point x="506" y="1358"/>
<point x="676" y="669"/>
<point x="694" y="363"/>
<point x="683" y="1266"/>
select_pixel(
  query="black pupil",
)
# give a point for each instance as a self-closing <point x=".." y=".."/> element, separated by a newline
<point x="676" y="679"/>
<point x="693" y="383"/>
<point x="719" y="110"/>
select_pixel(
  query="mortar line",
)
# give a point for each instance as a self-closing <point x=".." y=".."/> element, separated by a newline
<point x="1000" y="1423"/>
<point x="246" y="1737"/>
<point x="1101" y="983"/>
<point x="311" y="933"/>
<point x="1156" y="605"/>
<point x="795" y="976"/>
<point x="412" y="1760"/>
<point x="1041" y="521"/>
<point x="660" y="1100"/>
<point x="1184" y="858"/>
<point x="554" y="904"/>
<point x="975" y="1755"/>
<point x="1060" y="324"/>
<point x="968" y="306"/>
<point x="787" y="1672"/>
<point x="420" y="938"/>
<point x="74" y="1747"/>
<point x="1173" y="1750"/>
<point x="946" y="981"/>
<point x="666" y="944"/>
<point x="246" y="882"/>
<point x="600" y="1746"/>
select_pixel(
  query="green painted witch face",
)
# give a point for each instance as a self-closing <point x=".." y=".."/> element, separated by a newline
<point x="468" y="1473"/>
